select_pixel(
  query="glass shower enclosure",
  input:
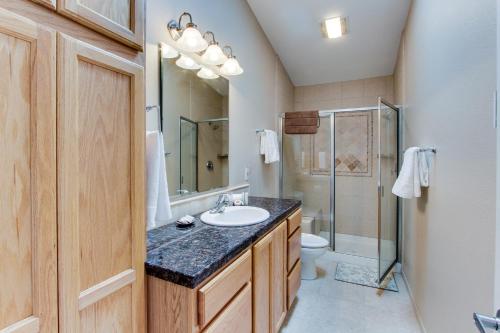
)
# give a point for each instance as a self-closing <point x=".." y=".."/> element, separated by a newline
<point x="352" y="207"/>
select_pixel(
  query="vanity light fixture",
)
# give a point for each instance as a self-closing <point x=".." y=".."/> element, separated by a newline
<point x="231" y="66"/>
<point x="168" y="51"/>
<point x="335" y="27"/>
<point x="207" y="73"/>
<point x="189" y="38"/>
<point x="213" y="54"/>
<point x="187" y="63"/>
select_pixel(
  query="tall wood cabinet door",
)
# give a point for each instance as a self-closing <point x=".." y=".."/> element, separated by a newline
<point x="278" y="277"/>
<point x="122" y="20"/>
<point x="269" y="281"/>
<point x="28" y="226"/>
<point x="101" y="216"/>
<point x="262" y="253"/>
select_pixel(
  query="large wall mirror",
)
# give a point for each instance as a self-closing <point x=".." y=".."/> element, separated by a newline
<point x="195" y="126"/>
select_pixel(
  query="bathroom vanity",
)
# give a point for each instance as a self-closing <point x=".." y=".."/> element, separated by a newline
<point x="211" y="279"/>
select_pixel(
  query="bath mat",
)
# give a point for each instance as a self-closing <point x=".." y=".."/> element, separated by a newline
<point x="363" y="275"/>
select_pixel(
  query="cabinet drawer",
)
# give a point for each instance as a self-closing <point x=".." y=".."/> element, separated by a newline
<point x="237" y="316"/>
<point x="294" y="221"/>
<point x="293" y="283"/>
<point x="294" y="248"/>
<point x="213" y="296"/>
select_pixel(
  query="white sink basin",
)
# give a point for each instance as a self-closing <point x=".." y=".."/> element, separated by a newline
<point x="236" y="216"/>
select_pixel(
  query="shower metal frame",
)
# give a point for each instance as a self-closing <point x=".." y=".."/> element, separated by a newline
<point x="330" y="114"/>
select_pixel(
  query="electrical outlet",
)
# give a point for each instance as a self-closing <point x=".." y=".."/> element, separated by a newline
<point x="247" y="173"/>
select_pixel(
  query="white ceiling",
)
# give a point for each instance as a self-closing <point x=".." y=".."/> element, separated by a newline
<point x="368" y="50"/>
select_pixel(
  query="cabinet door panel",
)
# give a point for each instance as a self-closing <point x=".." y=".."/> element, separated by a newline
<point x="262" y="252"/>
<point x="119" y="19"/>
<point x="28" y="239"/>
<point x="269" y="281"/>
<point x="101" y="189"/>
<point x="278" y="276"/>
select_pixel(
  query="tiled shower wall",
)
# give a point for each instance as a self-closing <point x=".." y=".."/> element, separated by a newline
<point x="356" y="197"/>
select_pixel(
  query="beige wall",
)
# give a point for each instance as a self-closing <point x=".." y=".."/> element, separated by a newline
<point x="445" y="79"/>
<point x="255" y="97"/>
<point x="356" y="197"/>
<point x="347" y="94"/>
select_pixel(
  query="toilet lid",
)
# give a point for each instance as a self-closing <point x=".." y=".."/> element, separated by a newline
<point x="313" y="242"/>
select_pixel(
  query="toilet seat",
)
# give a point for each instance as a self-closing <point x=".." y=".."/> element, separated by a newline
<point x="310" y="241"/>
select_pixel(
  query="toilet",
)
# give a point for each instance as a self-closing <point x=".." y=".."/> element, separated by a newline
<point x="312" y="247"/>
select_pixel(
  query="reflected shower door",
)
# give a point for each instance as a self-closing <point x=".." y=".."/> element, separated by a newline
<point x="387" y="174"/>
<point x="306" y="175"/>
<point x="188" y="156"/>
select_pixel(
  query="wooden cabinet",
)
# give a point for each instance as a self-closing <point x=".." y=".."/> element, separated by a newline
<point x="28" y="235"/>
<point x="294" y="221"/>
<point x="222" y="304"/>
<point x="251" y="294"/>
<point x="214" y="295"/>
<point x="269" y="278"/>
<point x="237" y="316"/>
<point x="293" y="284"/>
<point x="72" y="242"/>
<point x="122" y="20"/>
<point x="293" y="248"/>
<point x="101" y="224"/>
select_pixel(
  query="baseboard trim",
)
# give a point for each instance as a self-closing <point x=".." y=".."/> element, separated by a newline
<point x="417" y="313"/>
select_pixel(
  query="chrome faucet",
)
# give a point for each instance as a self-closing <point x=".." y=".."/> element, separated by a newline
<point x="221" y="204"/>
<point x="485" y="322"/>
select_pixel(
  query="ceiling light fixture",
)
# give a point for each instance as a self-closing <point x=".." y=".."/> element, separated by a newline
<point x="207" y="73"/>
<point x="190" y="39"/>
<point x="231" y="66"/>
<point x="335" y="27"/>
<point x="187" y="63"/>
<point x="213" y="54"/>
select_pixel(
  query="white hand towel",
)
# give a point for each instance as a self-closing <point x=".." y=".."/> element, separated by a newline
<point x="408" y="183"/>
<point x="423" y="168"/>
<point x="158" y="200"/>
<point x="269" y="146"/>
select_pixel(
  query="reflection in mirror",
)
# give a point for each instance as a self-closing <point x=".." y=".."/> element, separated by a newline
<point x="195" y="128"/>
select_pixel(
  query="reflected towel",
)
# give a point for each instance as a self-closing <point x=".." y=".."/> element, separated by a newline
<point x="408" y="183"/>
<point x="269" y="146"/>
<point x="158" y="200"/>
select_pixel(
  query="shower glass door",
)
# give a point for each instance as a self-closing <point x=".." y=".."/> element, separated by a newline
<point x="387" y="174"/>
<point x="188" y="156"/>
<point x="305" y="175"/>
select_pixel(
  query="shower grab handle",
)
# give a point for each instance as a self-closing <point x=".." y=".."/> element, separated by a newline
<point x="485" y="322"/>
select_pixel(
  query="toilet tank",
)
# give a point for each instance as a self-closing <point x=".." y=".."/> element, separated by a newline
<point x="310" y="225"/>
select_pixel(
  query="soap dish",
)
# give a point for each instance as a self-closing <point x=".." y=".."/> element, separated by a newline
<point x="185" y="222"/>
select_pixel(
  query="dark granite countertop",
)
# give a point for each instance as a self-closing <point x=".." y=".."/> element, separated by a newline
<point x="188" y="256"/>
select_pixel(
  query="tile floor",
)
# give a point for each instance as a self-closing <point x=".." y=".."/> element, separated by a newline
<point x="354" y="245"/>
<point x="330" y="306"/>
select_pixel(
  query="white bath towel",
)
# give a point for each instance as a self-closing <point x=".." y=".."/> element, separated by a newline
<point x="408" y="183"/>
<point x="423" y="168"/>
<point x="158" y="200"/>
<point x="269" y="146"/>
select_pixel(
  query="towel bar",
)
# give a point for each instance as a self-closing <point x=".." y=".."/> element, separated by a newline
<point x="432" y="150"/>
<point x="157" y="108"/>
